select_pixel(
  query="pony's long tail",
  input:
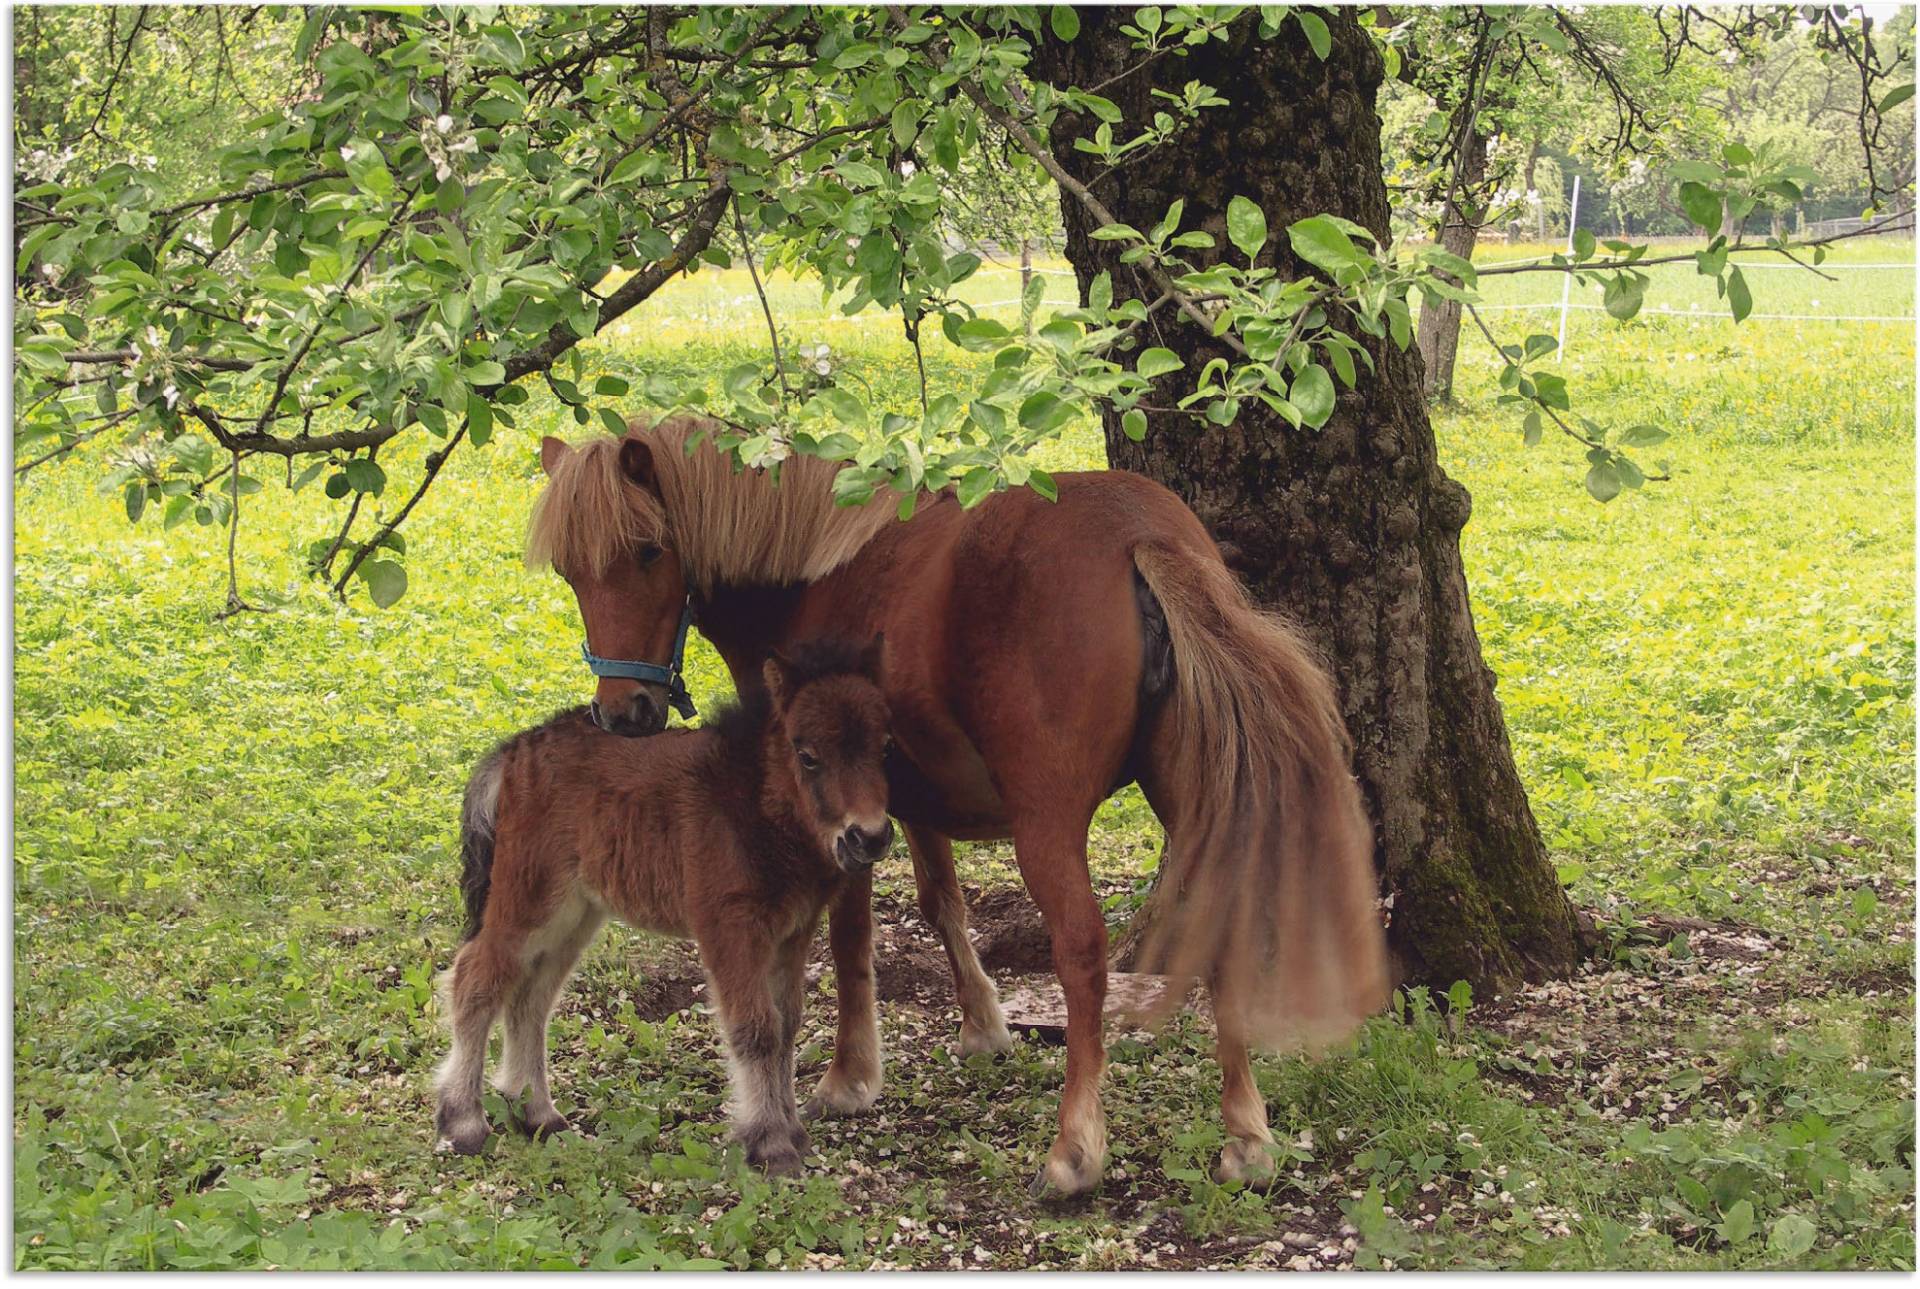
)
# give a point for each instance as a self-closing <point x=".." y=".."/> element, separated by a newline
<point x="477" y="815"/>
<point x="1267" y="890"/>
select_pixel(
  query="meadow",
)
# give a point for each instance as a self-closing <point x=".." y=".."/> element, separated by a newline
<point x="235" y="875"/>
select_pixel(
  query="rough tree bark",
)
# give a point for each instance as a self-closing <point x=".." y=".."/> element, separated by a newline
<point x="1439" y="333"/>
<point x="1354" y="530"/>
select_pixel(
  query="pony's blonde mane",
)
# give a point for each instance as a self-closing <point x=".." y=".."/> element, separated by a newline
<point x="726" y="524"/>
<point x="588" y="515"/>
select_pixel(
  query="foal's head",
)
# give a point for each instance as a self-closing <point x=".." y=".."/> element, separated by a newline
<point x="600" y="523"/>
<point x="829" y="728"/>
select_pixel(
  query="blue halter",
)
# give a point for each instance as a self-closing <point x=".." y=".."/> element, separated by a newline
<point x="653" y="673"/>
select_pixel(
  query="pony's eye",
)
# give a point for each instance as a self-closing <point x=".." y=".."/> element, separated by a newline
<point x="808" y="761"/>
<point x="650" y="554"/>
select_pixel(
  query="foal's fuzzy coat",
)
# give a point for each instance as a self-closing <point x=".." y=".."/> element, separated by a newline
<point x="736" y="835"/>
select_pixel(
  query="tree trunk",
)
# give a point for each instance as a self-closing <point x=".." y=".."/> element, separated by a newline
<point x="1354" y="531"/>
<point x="1439" y="333"/>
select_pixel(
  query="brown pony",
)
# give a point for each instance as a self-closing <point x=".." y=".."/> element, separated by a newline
<point x="736" y="835"/>
<point x="1041" y="656"/>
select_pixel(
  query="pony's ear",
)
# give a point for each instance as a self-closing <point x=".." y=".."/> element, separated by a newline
<point x="871" y="656"/>
<point x="778" y="673"/>
<point x="636" y="462"/>
<point x="552" y="452"/>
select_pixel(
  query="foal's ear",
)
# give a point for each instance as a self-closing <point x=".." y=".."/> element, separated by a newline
<point x="778" y="674"/>
<point x="552" y="452"/>
<point x="636" y="462"/>
<point x="870" y="657"/>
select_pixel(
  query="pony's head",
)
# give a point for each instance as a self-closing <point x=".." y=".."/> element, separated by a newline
<point x="600" y="525"/>
<point x="829" y="724"/>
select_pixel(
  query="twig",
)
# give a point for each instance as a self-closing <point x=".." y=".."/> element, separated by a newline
<point x="435" y="460"/>
<point x="234" y="603"/>
<point x="773" y="334"/>
<point x="76" y="441"/>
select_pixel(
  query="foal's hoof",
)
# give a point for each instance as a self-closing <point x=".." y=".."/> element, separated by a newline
<point x="777" y="1159"/>
<point x="541" y="1129"/>
<point x="1245" y="1159"/>
<point x="462" y="1135"/>
<point x="1065" y="1178"/>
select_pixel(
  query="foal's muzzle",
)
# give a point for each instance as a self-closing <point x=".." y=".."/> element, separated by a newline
<point x="858" y="849"/>
<point x="644" y="714"/>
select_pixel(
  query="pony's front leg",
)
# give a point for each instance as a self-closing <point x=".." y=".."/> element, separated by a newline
<point x="983" y="1027"/>
<point x="852" y="1081"/>
<point x="1053" y="863"/>
<point x="741" y="964"/>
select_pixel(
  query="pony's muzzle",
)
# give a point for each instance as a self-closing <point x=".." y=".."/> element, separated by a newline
<point x="858" y="849"/>
<point x="643" y="714"/>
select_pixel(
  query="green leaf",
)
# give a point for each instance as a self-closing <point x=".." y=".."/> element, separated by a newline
<point x="1064" y="21"/>
<point x="1896" y="96"/>
<point x="1702" y="205"/>
<point x="487" y="372"/>
<point x="1792" y="1236"/>
<point x="1623" y="295"/>
<point x="1246" y="226"/>
<point x="1643" y="436"/>
<point x="136" y="499"/>
<point x="1133" y="423"/>
<point x="1158" y="362"/>
<point x="1324" y="244"/>
<point x="1736" y="1224"/>
<point x="1739" y="298"/>
<point x="1116" y="233"/>
<point x="1317" y="34"/>
<point x="1583" y="243"/>
<point x="1312" y="395"/>
<point x="1532" y="428"/>
<point x="364" y="475"/>
<point x="479" y="419"/>
<point x="1603" y="481"/>
<point x="386" y="581"/>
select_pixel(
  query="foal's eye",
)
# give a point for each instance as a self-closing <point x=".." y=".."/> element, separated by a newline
<point x="808" y="761"/>
<point x="649" y="554"/>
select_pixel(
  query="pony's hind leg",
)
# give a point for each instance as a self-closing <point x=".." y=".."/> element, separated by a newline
<point x="852" y="1081"/>
<point x="983" y="1028"/>
<point x="1052" y="854"/>
<point x="483" y="975"/>
<point x="550" y="956"/>
<point x="1248" y="1154"/>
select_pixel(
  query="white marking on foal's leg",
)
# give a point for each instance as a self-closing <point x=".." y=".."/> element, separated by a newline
<point x="553" y="953"/>
<point x="461" y="1120"/>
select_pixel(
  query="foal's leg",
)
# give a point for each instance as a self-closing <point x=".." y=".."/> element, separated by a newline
<point x="982" y="1026"/>
<point x="852" y="1081"/>
<point x="740" y="959"/>
<point x="1052" y="854"/>
<point x="550" y="956"/>
<point x="788" y="984"/>
<point x="484" y="973"/>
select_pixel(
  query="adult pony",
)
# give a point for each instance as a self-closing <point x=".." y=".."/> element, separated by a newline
<point x="1041" y="655"/>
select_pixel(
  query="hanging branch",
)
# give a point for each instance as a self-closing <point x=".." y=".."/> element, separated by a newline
<point x="773" y="334"/>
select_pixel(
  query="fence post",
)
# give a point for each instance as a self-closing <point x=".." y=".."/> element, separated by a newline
<point x="1566" y="280"/>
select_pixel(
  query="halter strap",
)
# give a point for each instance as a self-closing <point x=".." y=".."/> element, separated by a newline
<point x="653" y="673"/>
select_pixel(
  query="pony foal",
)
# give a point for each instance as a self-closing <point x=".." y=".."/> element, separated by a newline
<point x="736" y="835"/>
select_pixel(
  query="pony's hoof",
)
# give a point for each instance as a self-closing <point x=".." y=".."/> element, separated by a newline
<point x="776" y="1159"/>
<point x="837" y="1099"/>
<point x="1065" y="1178"/>
<point x="801" y="1141"/>
<point x="1245" y="1159"/>
<point x="990" y="1037"/>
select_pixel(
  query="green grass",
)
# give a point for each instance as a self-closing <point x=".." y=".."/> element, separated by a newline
<point x="235" y="874"/>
